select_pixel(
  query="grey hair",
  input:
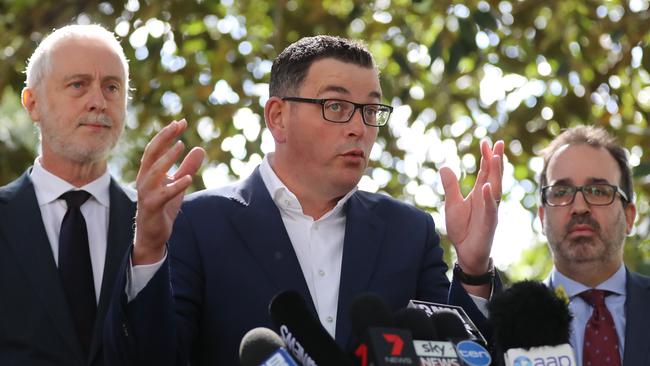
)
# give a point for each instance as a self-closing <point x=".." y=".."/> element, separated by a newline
<point x="39" y="63"/>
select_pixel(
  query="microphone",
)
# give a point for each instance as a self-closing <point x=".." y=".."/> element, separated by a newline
<point x="429" y="349"/>
<point x="432" y="308"/>
<point x="452" y="328"/>
<point x="303" y="335"/>
<point x="382" y="344"/>
<point x="263" y="347"/>
<point x="532" y="324"/>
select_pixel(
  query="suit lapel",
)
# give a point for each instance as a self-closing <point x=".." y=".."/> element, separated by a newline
<point x="260" y="225"/>
<point x="27" y="238"/>
<point x="120" y="237"/>
<point x="637" y="348"/>
<point x="363" y="233"/>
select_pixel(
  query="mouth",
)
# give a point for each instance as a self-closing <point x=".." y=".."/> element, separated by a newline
<point x="582" y="230"/>
<point x="355" y="153"/>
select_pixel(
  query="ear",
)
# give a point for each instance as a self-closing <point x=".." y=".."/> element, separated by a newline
<point x="29" y="99"/>
<point x="275" y="114"/>
<point x="541" y="213"/>
<point x="630" y="215"/>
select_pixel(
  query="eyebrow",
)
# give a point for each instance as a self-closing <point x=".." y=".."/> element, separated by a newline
<point x="90" y="77"/>
<point x="590" y="180"/>
<point x="342" y="90"/>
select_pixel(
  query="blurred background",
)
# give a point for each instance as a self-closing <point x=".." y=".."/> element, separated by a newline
<point x="456" y="73"/>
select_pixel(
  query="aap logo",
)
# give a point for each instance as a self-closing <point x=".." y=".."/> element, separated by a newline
<point x="522" y="361"/>
<point x="473" y="354"/>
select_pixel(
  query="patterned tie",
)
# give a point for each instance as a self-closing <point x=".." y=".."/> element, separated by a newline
<point x="75" y="268"/>
<point x="601" y="341"/>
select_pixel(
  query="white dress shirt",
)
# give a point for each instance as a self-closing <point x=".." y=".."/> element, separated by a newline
<point x="48" y="188"/>
<point x="318" y="244"/>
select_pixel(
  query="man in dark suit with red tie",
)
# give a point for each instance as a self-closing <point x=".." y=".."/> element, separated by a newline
<point x="587" y="210"/>
<point x="65" y="223"/>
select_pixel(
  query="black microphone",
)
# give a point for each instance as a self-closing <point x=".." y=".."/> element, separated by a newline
<point x="531" y="323"/>
<point x="382" y="344"/>
<point x="303" y="335"/>
<point x="451" y="328"/>
<point x="417" y="322"/>
<point x="263" y="347"/>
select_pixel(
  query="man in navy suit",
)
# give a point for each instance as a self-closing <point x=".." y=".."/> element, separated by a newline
<point x="76" y="92"/>
<point x="297" y="223"/>
<point x="586" y="234"/>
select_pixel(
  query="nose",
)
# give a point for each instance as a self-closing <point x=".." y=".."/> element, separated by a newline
<point x="355" y="126"/>
<point x="580" y="205"/>
<point x="96" y="99"/>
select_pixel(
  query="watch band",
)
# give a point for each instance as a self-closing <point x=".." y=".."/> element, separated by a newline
<point x="475" y="280"/>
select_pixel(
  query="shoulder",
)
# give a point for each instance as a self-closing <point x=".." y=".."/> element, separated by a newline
<point x="385" y="205"/>
<point x="8" y="191"/>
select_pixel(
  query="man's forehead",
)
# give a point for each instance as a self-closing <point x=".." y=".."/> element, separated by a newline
<point x="65" y="56"/>
<point x="582" y="163"/>
<point x="333" y="75"/>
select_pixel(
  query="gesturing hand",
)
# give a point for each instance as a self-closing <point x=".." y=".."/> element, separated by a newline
<point x="160" y="195"/>
<point x="471" y="221"/>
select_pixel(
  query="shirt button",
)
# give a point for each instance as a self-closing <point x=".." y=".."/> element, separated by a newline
<point x="321" y="272"/>
<point x="316" y="226"/>
<point x="329" y="319"/>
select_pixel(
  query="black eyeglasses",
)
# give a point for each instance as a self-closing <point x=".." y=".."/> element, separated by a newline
<point x="599" y="194"/>
<point x="341" y="111"/>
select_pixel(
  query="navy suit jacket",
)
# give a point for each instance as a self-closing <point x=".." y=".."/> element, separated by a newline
<point x="36" y="326"/>
<point x="637" y="320"/>
<point x="230" y="253"/>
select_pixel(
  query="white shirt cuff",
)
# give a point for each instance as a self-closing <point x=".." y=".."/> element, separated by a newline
<point x="139" y="276"/>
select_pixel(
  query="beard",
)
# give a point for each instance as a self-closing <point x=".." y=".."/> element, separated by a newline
<point x="602" y="247"/>
<point x="89" y="150"/>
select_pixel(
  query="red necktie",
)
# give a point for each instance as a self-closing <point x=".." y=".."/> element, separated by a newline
<point x="601" y="341"/>
<point x="75" y="267"/>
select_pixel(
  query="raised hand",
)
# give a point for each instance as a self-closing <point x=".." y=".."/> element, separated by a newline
<point x="160" y="195"/>
<point x="471" y="221"/>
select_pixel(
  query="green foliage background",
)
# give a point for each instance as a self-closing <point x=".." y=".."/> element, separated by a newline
<point x="458" y="71"/>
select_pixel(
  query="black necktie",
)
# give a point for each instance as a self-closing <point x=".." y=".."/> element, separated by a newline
<point x="75" y="268"/>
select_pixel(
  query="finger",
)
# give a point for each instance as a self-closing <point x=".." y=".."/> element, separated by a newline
<point x="158" y="171"/>
<point x="166" y="193"/>
<point x="496" y="176"/>
<point x="191" y="163"/>
<point x="451" y="186"/>
<point x="158" y="145"/>
<point x="491" y="204"/>
<point x="499" y="150"/>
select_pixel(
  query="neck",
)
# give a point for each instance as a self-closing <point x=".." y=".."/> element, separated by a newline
<point x="314" y="202"/>
<point x="590" y="274"/>
<point x="76" y="173"/>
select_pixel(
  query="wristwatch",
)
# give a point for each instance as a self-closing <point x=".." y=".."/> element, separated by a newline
<point x="475" y="280"/>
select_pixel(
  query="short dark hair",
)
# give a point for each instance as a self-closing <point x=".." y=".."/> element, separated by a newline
<point x="290" y="67"/>
<point x="596" y="137"/>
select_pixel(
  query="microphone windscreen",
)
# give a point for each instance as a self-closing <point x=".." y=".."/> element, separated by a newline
<point x="304" y="336"/>
<point x="369" y="310"/>
<point x="417" y="322"/>
<point x="257" y="345"/>
<point x="529" y="314"/>
<point x="449" y="326"/>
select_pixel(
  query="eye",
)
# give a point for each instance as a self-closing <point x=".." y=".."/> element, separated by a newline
<point x="334" y="106"/>
<point x="113" y="88"/>
<point x="561" y="191"/>
<point x="76" y="84"/>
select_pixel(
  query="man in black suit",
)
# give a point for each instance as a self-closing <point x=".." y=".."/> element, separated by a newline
<point x="587" y="210"/>
<point x="65" y="223"/>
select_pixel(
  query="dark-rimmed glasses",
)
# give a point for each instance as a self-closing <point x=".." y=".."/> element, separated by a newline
<point x="598" y="194"/>
<point x="341" y="111"/>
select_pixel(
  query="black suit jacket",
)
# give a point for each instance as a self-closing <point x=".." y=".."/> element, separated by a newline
<point x="230" y="253"/>
<point x="637" y="320"/>
<point x="36" y="326"/>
